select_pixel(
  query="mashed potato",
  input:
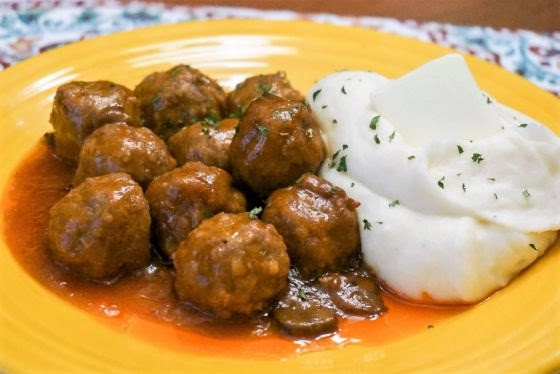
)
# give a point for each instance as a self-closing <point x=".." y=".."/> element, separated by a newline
<point x="458" y="192"/>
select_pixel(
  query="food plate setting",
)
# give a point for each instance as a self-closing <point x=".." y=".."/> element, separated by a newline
<point x="388" y="204"/>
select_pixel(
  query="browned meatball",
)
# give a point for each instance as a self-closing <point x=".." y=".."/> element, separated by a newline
<point x="182" y="198"/>
<point x="81" y="107"/>
<point x="318" y="223"/>
<point x="278" y="140"/>
<point x="101" y="227"/>
<point x="207" y="142"/>
<point x="254" y="87"/>
<point x="178" y="97"/>
<point x="121" y="148"/>
<point x="231" y="264"/>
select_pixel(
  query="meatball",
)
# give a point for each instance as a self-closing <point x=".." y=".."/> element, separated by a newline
<point x="254" y="87"/>
<point x="178" y="97"/>
<point x="318" y="223"/>
<point x="101" y="227"/>
<point x="207" y="142"/>
<point x="121" y="148"/>
<point x="278" y="140"/>
<point x="231" y="264"/>
<point x="81" y="107"/>
<point x="182" y="198"/>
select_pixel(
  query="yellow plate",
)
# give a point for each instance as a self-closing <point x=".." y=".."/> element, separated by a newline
<point x="517" y="330"/>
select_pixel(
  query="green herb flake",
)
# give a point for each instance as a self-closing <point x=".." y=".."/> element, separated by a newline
<point x="255" y="212"/>
<point x="373" y="122"/>
<point x="440" y="183"/>
<point x="352" y="185"/>
<point x="263" y="130"/>
<point x="376" y="139"/>
<point x="391" y="137"/>
<point x="301" y="294"/>
<point x="334" y="121"/>
<point x="488" y="101"/>
<point x="526" y="194"/>
<point x="495" y="196"/>
<point x="334" y="189"/>
<point x="492" y="179"/>
<point x="332" y="164"/>
<point x="315" y="94"/>
<point x="523" y="125"/>
<point x="342" y="164"/>
<point x="477" y="158"/>
<point x="309" y="133"/>
<point x="379" y="222"/>
<point x="533" y="246"/>
<point x="345" y="146"/>
<point x="157" y="102"/>
<point x="343" y="90"/>
<point x="430" y="326"/>
<point x="264" y="88"/>
<point x="464" y="188"/>
<point x="206" y="131"/>
<point x="367" y="225"/>
<point x="393" y="203"/>
<point x="324" y="106"/>
<point x="411" y="157"/>
<point x="459" y="149"/>
<point x="335" y="155"/>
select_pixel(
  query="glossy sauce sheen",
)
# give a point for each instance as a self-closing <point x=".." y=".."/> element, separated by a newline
<point x="144" y="304"/>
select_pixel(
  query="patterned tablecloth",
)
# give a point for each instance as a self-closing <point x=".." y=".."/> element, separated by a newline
<point x="29" y="27"/>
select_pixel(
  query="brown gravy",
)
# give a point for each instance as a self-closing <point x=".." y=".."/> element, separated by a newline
<point x="143" y="304"/>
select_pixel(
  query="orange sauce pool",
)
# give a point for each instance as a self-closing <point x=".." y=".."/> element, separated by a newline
<point x="143" y="304"/>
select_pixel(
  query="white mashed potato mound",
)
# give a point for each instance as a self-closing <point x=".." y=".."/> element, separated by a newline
<point x="448" y="219"/>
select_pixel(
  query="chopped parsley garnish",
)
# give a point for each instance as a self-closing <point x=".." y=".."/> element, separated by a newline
<point x="342" y="164"/>
<point x="301" y="294"/>
<point x="206" y="131"/>
<point x="324" y="106"/>
<point x="488" y="101"/>
<point x="334" y="189"/>
<point x="236" y="129"/>
<point x="379" y="222"/>
<point x="309" y="133"/>
<point x="367" y="225"/>
<point x="315" y="94"/>
<point x="523" y="125"/>
<point x="345" y="146"/>
<point x="332" y="164"/>
<point x="376" y="139"/>
<point x="464" y="188"/>
<point x="477" y="158"/>
<point x="265" y="88"/>
<point x="392" y="136"/>
<point x="411" y="157"/>
<point x="157" y="102"/>
<point x="440" y="183"/>
<point x="496" y="196"/>
<point x="492" y="179"/>
<point x="373" y="122"/>
<point x="263" y="130"/>
<point x="211" y="121"/>
<point x="352" y="185"/>
<point x="255" y="212"/>
<point x="526" y="194"/>
<point x="393" y="203"/>
<point x="334" y="121"/>
<point x="343" y="90"/>
<point x="335" y="155"/>
<point x="459" y="149"/>
<point x="533" y="246"/>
